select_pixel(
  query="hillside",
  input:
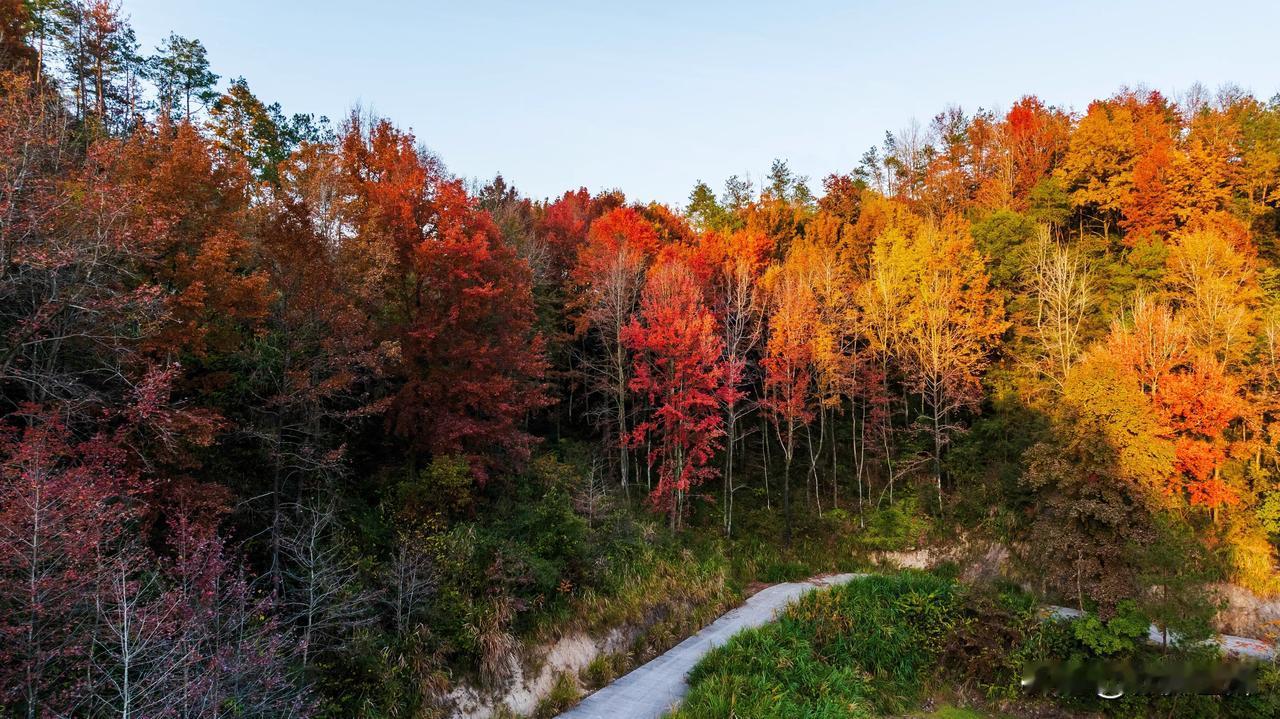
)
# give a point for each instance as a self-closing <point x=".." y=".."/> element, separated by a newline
<point x="297" y="422"/>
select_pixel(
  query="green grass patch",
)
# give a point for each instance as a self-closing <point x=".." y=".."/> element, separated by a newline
<point x="950" y="712"/>
<point x="564" y="694"/>
<point x="858" y="650"/>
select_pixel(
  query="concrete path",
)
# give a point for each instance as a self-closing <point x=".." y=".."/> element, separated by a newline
<point x="653" y="689"/>
<point x="1230" y="645"/>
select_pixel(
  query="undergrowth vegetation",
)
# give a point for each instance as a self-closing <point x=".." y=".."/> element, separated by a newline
<point x="535" y="567"/>
<point x="886" y="644"/>
<point x="856" y="650"/>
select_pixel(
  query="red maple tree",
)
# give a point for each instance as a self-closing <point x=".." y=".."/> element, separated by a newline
<point x="679" y="370"/>
<point x="437" y="275"/>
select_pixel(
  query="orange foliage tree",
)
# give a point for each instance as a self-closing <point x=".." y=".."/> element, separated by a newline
<point x="788" y="367"/>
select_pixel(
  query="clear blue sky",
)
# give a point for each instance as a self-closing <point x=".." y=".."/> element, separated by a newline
<point x="649" y="97"/>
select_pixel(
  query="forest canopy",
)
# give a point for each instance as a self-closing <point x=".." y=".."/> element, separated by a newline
<point x="295" y="420"/>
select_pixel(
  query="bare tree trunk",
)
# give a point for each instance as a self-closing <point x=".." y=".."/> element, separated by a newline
<point x="728" y="475"/>
<point x="937" y="457"/>
<point x="621" y="399"/>
<point x="786" y="502"/>
<point x="888" y="462"/>
<point x="648" y="466"/>
<point x="40" y="59"/>
<point x="859" y="450"/>
<point x="764" y="453"/>
<point x="80" y="79"/>
<point x="815" y="455"/>
<point x="835" y="469"/>
<point x="677" y="505"/>
<point x="100" y="100"/>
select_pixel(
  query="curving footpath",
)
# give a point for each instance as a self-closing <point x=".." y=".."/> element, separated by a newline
<point x="651" y="690"/>
<point x="1231" y="646"/>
